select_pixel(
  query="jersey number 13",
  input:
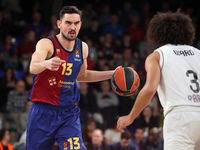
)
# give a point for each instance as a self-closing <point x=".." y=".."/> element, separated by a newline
<point x="67" y="69"/>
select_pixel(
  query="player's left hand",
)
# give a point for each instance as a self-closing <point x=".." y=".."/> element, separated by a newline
<point x="123" y="122"/>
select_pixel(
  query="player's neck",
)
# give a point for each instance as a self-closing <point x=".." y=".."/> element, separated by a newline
<point x="69" y="45"/>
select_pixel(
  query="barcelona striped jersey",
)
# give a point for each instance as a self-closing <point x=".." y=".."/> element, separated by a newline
<point x="59" y="88"/>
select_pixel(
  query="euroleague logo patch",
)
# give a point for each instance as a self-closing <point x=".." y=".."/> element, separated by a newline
<point x="77" y="53"/>
<point x="65" y="145"/>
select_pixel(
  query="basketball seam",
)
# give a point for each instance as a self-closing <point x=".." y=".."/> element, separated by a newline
<point x="134" y="79"/>
<point x="131" y="92"/>
<point x="125" y="79"/>
<point x="116" y="83"/>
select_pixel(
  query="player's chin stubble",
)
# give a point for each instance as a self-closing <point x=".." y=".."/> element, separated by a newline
<point x="67" y="38"/>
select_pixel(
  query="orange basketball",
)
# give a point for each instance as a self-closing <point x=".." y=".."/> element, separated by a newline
<point x="125" y="81"/>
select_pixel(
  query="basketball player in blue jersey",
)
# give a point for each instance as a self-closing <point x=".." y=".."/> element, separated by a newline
<point x="57" y="63"/>
<point x="173" y="70"/>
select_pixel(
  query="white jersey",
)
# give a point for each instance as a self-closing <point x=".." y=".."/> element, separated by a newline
<point x="180" y="76"/>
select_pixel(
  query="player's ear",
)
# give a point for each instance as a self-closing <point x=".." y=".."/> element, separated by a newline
<point x="58" y="24"/>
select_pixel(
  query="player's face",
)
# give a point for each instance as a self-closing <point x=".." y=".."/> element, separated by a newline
<point x="69" y="26"/>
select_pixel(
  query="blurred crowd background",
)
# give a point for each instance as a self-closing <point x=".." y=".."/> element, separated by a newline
<point x="115" y="32"/>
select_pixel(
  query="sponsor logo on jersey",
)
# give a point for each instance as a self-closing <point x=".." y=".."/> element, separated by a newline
<point x="52" y="81"/>
<point x="194" y="98"/>
<point x="77" y="53"/>
<point x="58" y="51"/>
<point x="65" y="84"/>
<point x="184" y="52"/>
<point x="77" y="59"/>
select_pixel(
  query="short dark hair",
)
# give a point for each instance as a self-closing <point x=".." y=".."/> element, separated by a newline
<point x="171" y="28"/>
<point x="69" y="10"/>
<point x="126" y="135"/>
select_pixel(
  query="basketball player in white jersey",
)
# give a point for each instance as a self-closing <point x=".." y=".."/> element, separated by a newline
<point x="173" y="70"/>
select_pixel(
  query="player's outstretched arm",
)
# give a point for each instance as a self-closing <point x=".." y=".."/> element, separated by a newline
<point x="146" y="93"/>
<point x="91" y="75"/>
<point x="40" y="58"/>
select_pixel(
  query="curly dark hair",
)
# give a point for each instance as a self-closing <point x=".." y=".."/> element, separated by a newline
<point x="171" y="28"/>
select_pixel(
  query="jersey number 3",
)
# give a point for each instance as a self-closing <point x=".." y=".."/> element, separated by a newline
<point x="67" y="71"/>
<point x="195" y="85"/>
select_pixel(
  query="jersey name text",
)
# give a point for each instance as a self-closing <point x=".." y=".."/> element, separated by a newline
<point x="184" y="52"/>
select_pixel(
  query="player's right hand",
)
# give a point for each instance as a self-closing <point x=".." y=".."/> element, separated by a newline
<point x="54" y="63"/>
<point x="123" y="122"/>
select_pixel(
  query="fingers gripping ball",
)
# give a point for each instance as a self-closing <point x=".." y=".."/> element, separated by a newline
<point x="125" y="81"/>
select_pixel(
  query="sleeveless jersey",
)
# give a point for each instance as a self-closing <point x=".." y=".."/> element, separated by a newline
<point x="180" y="76"/>
<point x="59" y="88"/>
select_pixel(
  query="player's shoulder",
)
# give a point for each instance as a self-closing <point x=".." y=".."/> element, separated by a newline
<point x="155" y="56"/>
<point x="84" y="49"/>
<point x="44" y="44"/>
<point x="84" y="46"/>
<point x="163" y="47"/>
<point x="195" y="48"/>
<point x="44" y="41"/>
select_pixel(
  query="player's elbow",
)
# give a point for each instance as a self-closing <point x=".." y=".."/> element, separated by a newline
<point x="78" y="79"/>
<point x="81" y="77"/>
<point x="31" y="70"/>
<point x="150" y="90"/>
<point x="85" y="76"/>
